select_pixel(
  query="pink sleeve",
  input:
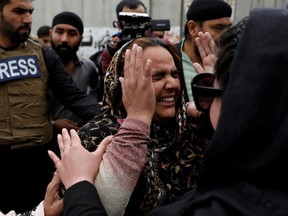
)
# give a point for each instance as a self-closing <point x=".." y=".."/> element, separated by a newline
<point x="122" y="164"/>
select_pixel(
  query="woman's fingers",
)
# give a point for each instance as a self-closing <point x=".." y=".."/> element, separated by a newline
<point x="53" y="157"/>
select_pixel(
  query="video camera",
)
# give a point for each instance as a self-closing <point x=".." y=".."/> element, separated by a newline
<point x="136" y="25"/>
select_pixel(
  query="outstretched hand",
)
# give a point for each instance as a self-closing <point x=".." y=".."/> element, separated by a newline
<point x="137" y="87"/>
<point x="208" y="52"/>
<point x="76" y="163"/>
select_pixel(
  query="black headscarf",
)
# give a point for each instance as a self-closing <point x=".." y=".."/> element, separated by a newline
<point x="244" y="170"/>
<point x="255" y="106"/>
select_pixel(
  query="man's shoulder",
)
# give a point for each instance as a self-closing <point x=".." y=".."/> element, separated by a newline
<point x="88" y="65"/>
<point x="86" y="61"/>
<point x="35" y="41"/>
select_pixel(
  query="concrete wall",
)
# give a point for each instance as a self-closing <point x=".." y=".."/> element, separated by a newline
<point x="242" y="7"/>
<point x="101" y="13"/>
<point x="98" y="15"/>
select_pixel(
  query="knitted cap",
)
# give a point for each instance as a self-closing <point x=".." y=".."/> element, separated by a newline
<point x="202" y="10"/>
<point x="69" y="18"/>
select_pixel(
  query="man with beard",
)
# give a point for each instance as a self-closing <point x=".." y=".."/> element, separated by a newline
<point x="27" y="69"/>
<point x="66" y="37"/>
<point x="203" y="16"/>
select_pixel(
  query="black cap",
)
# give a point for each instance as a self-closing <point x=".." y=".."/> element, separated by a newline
<point x="202" y="10"/>
<point x="69" y="18"/>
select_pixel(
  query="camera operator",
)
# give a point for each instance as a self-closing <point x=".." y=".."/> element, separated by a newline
<point x="112" y="46"/>
<point x="132" y="22"/>
<point x="103" y="57"/>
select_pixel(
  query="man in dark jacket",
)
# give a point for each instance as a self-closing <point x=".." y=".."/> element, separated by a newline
<point x="27" y="70"/>
<point x="66" y="37"/>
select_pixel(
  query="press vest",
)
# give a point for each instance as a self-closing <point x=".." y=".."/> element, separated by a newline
<point x="23" y="105"/>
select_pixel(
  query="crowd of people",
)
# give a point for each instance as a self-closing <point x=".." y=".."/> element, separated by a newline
<point x="194" y="128"/>
<point x="30" y="70"/>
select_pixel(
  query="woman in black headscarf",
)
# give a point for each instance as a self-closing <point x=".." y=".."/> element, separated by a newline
<point x="244" y="166"/>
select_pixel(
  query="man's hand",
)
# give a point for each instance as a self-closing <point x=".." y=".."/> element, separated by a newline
<point x="59" y="124"/>
<point x="208" y="52"/>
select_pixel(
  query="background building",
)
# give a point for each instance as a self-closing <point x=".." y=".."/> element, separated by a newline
<point x="98" y="15"/>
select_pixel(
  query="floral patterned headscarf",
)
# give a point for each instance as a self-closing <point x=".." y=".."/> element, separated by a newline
<point x="112" y="88"/>
<point x="175" y="153"/>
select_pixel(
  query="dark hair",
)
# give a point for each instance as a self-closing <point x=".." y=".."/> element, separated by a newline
<point x="131" y="4"/>
<point x="43" y="31"/>
<point x="3" y="3"/>
<point x="228" y="42"/>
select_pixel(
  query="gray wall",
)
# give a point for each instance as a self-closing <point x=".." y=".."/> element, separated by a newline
<point x="101" y="13"/>
<point x="242" y="7"/>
